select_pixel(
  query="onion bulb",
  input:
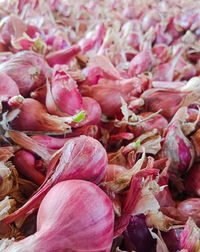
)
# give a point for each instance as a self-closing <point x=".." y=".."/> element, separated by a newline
<point x="74" y="216"/>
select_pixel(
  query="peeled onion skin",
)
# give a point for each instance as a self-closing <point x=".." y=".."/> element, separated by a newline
<point x="74" y="216"/>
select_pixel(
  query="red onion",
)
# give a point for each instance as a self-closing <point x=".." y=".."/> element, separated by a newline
<point x="172" y="239"/>
<point x="81" y="158"/>
<point x="63" y="56"/>
<point x="108" y="92"/>
<point x="156" y="122"/>
<point x="12" y="27"/>
<point x="63" y="97"/>
<point x="74" y="216"/>
<point x="140" y="63"/>
<point x="27" y="69"/>
<point x="106" y="67"/>
<point x="189" y="207"/>
<point x="192" y="181"/>
<point x="40" y="94"/>
<point x="178" y="148"/>
<point x="57" y="143"/>
<point x="137" y="235"/>
<point x="95" y="40"/>
<point x="93" y="113"/>
<point x="8" y="87"/>
<point x="32" y="116"/>
<point x="165" y="71"/>
<point x="111" y="171"/>
<point x="169" y="100"/>
<point x="30" y="144"/>
<point x="196" y="141"/>
<point x="50" y="142"/>
<point x="24" y="162"/>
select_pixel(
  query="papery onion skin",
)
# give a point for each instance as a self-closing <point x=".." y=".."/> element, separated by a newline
<point x="74" y="216"/>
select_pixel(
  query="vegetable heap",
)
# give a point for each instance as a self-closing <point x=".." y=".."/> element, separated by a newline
<point x="99" y="126"/>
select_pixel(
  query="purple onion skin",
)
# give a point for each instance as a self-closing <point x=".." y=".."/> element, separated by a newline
<point x="137" y="235"/>
<point x="172" y="239"/>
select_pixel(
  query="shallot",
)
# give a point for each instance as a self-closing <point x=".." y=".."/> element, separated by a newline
<point x="80" y="158"/>
<point x="104" y="96"/>
<point x="74" y="216"/>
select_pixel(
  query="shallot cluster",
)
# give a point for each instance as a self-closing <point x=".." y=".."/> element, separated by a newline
<point x="99" y="126"/>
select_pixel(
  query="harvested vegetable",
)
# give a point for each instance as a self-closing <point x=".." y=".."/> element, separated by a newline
<point x="106" y="92"/>
<point x="72" y="212"/>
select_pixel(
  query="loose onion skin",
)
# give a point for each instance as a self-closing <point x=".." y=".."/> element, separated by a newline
<point x="61" y="226"/>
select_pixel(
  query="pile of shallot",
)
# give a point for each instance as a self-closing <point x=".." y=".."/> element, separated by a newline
<point x="99" y="126"/>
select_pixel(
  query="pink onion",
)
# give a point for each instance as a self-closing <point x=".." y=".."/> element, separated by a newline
<point x="157" y="122"/>
<point x="93" y="112"/>
<point x="142" y="62"/>
<point x="74" y="216"/>
<point x="168" y="99"/>
<point x="12" y="27"/>
<point x="50" y="142"/>
<point x="63" y="56"/>
<point x="8" y="87"/>
<point x="63" y="97"/>
<point x="179" y="149"/>
<point x="108" y="92"/>
<point x="81" y="158"/>
<point x="111" y="171"/>
<point x="189" y="207"/>
<point x="32" y="116"/>
<point x="196" y="141"/>
<point x="192" y="180"/>
<point x="27" y="69"/>
<point x="25" y="163"/>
